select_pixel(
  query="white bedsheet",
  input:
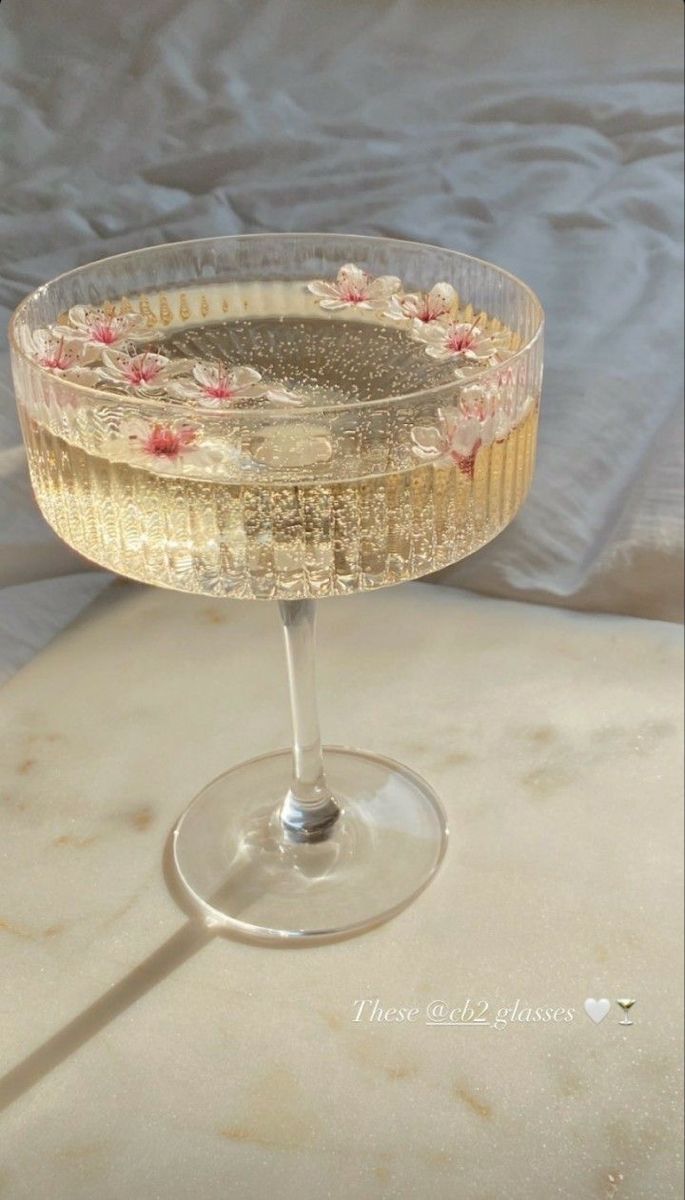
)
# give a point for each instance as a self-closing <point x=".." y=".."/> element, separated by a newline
<point x="543" y="135"/>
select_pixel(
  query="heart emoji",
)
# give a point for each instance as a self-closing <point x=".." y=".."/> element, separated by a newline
<point x="597" y="1009"/>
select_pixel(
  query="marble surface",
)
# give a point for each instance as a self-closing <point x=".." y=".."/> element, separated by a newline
<point x="146" y="1057"/>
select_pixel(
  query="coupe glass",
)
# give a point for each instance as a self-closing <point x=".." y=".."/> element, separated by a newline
<point x="261" y="438"/>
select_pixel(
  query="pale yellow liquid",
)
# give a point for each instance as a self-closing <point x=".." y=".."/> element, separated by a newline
<point x="300" y="528"/>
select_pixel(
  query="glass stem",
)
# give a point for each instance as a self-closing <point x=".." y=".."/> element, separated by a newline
<point x="309" y="811"/>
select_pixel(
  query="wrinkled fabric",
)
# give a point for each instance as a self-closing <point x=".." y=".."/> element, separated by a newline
<point x="541" y="135"/>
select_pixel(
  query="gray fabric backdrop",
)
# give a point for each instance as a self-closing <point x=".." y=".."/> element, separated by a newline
<point x="543" y="135"/>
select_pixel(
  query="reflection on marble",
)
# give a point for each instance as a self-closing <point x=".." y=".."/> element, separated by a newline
<point x="147" y="1057"/>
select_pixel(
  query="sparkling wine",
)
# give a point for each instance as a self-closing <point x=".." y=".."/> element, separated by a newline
<point x="289" y="503"/>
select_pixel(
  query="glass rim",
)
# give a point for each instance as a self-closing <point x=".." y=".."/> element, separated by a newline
<point x="179" y="409"/>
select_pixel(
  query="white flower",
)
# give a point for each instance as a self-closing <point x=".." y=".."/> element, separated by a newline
<point x="176" y="448"/>
<point x="163" y="446"/>
<point x="214" y="385"/>
<point x="498" y="403"/>
<point x="425" y="307"/>
<point x="353" y="288"/>
<point x="96" y="327"/>
<point x="478" y="420"/>
<point x="481" y="405"/>
<point x="144" y="374"/>
<point x="466" y="344"/>
<point x="455" y="439"/>
<point x="59" y="356"/>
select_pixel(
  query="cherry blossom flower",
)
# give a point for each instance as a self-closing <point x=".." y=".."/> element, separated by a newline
<point x="144" y="374"/>
<point x="486" y="413"/>
<point x="162" y="446"/>
<point x="59" y="356"/>
<point x="467" y="344"/>
<point x="163" y="441"/>
<point x="172" y="447"/>
<point x="499" y="403"/>
<point x="455" y="439"/>
<point x="215" y="385"/>
<point x="487" y="406"/>
<point x="96" y="327"/>
<point x="354" y="288"/>
<point x="424" y="307"/>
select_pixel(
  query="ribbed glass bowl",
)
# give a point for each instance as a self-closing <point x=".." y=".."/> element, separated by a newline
<point x="278" y="500"/>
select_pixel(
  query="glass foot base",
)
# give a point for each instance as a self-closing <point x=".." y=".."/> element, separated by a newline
<point x="245" y="875"/>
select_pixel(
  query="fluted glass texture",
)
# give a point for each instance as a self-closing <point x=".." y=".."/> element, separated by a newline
<point x="323" y="497"/>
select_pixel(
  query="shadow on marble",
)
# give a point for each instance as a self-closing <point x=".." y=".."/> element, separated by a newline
<point x="187" y="941"/>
